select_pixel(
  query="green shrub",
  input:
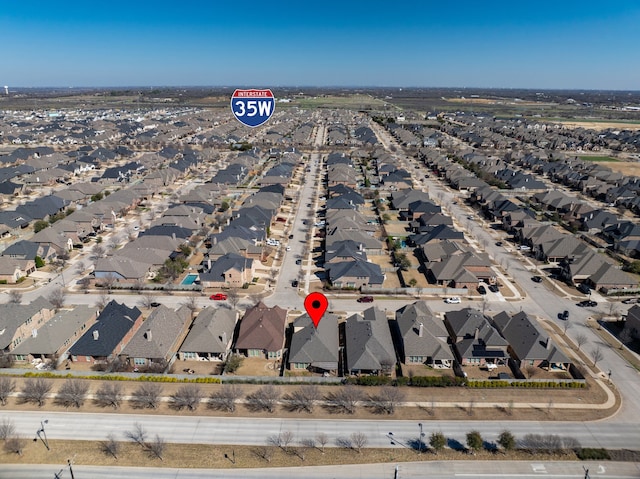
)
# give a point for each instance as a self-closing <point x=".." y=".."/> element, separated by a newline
<point x="437" y="381"/>
<point x="372" y="381"/>
<point x="592" y="454"/>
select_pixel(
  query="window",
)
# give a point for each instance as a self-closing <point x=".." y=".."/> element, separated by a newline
<point x="188" y="355"/>
<point x="139" y="361"/>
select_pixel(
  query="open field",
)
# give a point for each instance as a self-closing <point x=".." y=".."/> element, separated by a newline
<point x="600" y="124"/>
<point x="627" y="168"/>
<point x="354" y="102"/>
<point x="598" y="159"/>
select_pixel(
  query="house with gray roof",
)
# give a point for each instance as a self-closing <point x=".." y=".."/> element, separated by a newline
<point x="210" y="336"/>
<point x="314" y="349"/>
<point x="354" y="274"/>
<point x="12" y="269"/>
<point x="52" y="340"/>
<point x="475" y="341"/>
<point x="105" y="340"/>
<point x="156" y="343"/>
<point x="368" y="343"/>
<point x="17" y="321"/>
<point x="229" y="271"/>
<point x="261" y="332"/>
<point x="421" y="337"/>
<point x="529" y="344"/>
<point x="235" y="245"/>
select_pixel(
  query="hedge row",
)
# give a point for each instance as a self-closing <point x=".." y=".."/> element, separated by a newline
<point x="526" y="384"/>
<point x="589" y="454"/>
<point x="113" y="377"/>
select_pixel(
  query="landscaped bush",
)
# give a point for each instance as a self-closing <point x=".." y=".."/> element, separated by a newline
<point x="436" y="381"/>
<point x="369" y="380"/>
<point x="592" y="454"/>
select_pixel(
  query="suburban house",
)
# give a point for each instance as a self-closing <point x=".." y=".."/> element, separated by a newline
<point x="529" y="344"/>
<point x="210" y="336"/>
<point x="368" y="344"/>
<point x="474" y="340"/>
<point x="422" y="337"/>
<point x="156" y="342"/>
<point x="19" y="321"/>
<point x="354" y="274"/>
<point x="12" y="269"/>
<point x="52" y="340"/>
<point x="106" y="339"/>
<point x="229" y="271"/>
<point x="314" y="349"/>
<point x="261" y="332"/>
<point x="633" y="321"/>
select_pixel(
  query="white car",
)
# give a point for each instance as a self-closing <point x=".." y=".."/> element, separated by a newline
<point x="453" y="300"/>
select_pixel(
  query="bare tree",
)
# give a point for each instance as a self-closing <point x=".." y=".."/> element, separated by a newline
<point x="359" y="440"/>
<point x="109" y="394"/>
<point x="102" y="301"/>
<point x="146" y="300"/>
<point x="322" y="439"/>
<point x="596" y="355"/>
<point x="72" y="393"/>
<point x="286" y="438"/>
<point x="471" y="408"/>
<point x="80" y="267"/>
<point x="97" y="252"/>
<point x="110" y="447"/>
<point x="225" y="398"/>
<point x="387" y="399"/>
<point x="566" y="326"/>
<point x="188" y="396"/>
<point x="157" y="447"/>
<point x="581" y="338"/>
<point x="15" y="297"/>
<point x="302" y="399"/>
<point x="7" y="429"/>
<point x="531" y="371"/>
<point x="137" y="435"/>
<point x="345" y="399"/>
<point x="7" y="386"/>
<point x="35" y="391"/>
<point x="264" y="452"/>
<point x="138" y="284"/>
<point x="264" y="399"/>
<point x="109" y="281"/>
<point x="147" y="396"/>
<point x="57" y="298"/>
<point x="191" y="303"/>
<point x="233" y="297"/>
<point x="15" y="444"/>
<point x="303" y="447"/>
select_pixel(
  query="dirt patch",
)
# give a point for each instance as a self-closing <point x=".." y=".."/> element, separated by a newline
<point x="601" y="125"/>
<point x="627" y="168"/>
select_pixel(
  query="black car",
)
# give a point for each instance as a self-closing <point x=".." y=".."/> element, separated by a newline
<point x="498" y="243"/>
<point x="583" y="288"/>
<point x="482" y="290"/>
<point x="294" y="283"/>
<point x="587" y="304"/>
<point x="154" y="304"/>
<point x="537" y="279"/>
<point x="565" y="315"/>
<point x="298" y="261"/>
<point x="493" y="288"/>
<point x="365" y="299"/>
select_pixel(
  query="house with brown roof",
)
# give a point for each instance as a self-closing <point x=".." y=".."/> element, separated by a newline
<point x="261" y="332"/>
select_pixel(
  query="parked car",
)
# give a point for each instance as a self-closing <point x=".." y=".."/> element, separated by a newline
<point x="365" y="299"/>
<point x="587" y="303"/>
<point x="154" y="304"/>
<point x="298" y="261"/>
<point x="218" y="297"/>
<point x="498" y="243"/>
<point x="524" y="247"/>
<point x="453" y="300"/>
<point x="294" y="283"/>
<point x="491" y="366"/>
<point x="482" y="289"/>
<point x="290" y="236"/>
<point x="564" y="315"/>
<point x="537" y="279"/>
<point x="629" y="301"/>
<point x="494" y="288"/>
<point x="583" y="288"/>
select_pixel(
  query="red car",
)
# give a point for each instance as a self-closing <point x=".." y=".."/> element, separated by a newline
<point x="218" y="297"/>
<point x="365" y="299"/>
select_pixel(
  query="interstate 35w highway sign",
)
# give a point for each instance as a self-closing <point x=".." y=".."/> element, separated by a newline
<point x="252" y="107"/>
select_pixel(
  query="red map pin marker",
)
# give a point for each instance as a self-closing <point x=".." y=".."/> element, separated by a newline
<point x="316" y="304"/>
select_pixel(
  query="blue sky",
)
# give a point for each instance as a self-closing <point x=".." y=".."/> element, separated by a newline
<point x="482" y="43"/>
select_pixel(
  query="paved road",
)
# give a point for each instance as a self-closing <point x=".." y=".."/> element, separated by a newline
<point x="405" y="470"/>
<point x="618" y="434"/>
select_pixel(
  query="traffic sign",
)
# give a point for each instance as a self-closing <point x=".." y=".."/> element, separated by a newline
<point x="252" y="107"/>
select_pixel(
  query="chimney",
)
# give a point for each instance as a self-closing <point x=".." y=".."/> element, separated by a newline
<point x="96" y="334"/>
<point x="34" y="333"/>
<point x="209" y="264"/>
<point x="476" y="334"/>
<point x="420" y="330"/>
<point x="148" y="335"/>
<point x="224" y="338"/>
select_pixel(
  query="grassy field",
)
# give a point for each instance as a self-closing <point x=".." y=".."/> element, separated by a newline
<point x="598" y="159"/>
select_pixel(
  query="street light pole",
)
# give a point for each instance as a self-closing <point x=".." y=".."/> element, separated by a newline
<point x="421" y="436"/>
<point x="42" y="434"/>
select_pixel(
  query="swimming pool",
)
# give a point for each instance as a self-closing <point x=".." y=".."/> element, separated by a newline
<point x="190" y="279"/>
